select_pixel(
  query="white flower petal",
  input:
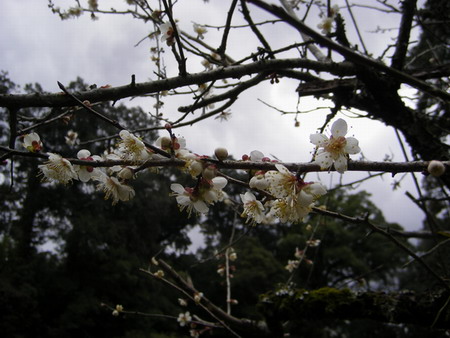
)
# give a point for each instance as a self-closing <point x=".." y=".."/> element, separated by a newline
<point x="352" y="146"/>
<point x="256" y="156"/>
<point x="124" y="134"/>
<point x="84" y="175"/>
<point x="323" y="159"/>
<point x="282" y="169"/>
<point x="183" y="200"/>
<point x="339" y="128"/>
<point x="318" y="139"/>
<point x="304" y="199"/>
<point x="340" y="164"/>
<point x="178" y="188"/>
<point x="248" y="197"/>
<point x="219" y="182"/>
<point x="83" y="153"/>
<point x="316" y="189"/>
<point x="201" y="207"/>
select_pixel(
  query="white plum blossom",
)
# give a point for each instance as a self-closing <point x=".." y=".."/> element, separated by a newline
<point x="294" y="197"/>
<point x="167" y="33"/>
<point x="327" y="22"/>
<point x="186" y="198"/>
<point x="197" y="199"/>
<point x="292" y="265"/>
<point x="326" y="25"/>
<point x="114" y="189"/>
<point x="336" y="148"/>
<point x="289" y="210"/>
<point x="71" y="138"/>
<point x="132" y="148"/>
<point x="184" y="318"/>
<point x="32" y="142"/>
<point x="85" y="173"/>
<point x="59" y="169"/>
<point x="253" y="209"/>
<point x="284" y="184"/>
<point x="200" y="30"/>
<point x="212" y="189"/>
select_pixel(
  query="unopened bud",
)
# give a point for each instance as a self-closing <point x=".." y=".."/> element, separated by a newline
<point x="195" y="168"/>
<point x="210" y="172"/>
<point x="168" y="126"/>
<point x="221" y="153"/>
<point x="126" y="173"/>
<point x="165" y="142"/>
<point x="436" y="168"/>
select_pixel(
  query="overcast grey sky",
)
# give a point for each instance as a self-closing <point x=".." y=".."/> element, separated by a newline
<point x="36" y="46"/>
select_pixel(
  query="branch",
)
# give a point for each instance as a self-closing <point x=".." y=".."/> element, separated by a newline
<point x="245" y="325"/>
<point x="398" y="59"/>
<point x="136" y="89"/>
<point x="392" y="167"/>
<point x="223" y="44"/>
<point x="349" y="54"/>
<point x="386" y="233"/>
<point x="330" y="303"/>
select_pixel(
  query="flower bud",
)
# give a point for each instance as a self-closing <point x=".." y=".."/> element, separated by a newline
<point x="210" y="172"/>
<point x="165" y="142"/>
<point x="195" y="168"/>
<point x="221" y="153"/>
<point x="436" y="168"/>
<point x="126" y="173"/>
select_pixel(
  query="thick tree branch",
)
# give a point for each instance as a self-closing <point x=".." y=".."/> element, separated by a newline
<point x="398" y="59"/>
<point x="136" y="89"/>
<point x="349" y="54"/>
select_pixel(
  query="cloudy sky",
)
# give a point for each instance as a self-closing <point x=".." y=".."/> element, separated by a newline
<point x="36" y="46"/>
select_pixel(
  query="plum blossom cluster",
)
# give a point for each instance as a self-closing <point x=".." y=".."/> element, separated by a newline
<point x="286" y="196"/>
<point x="112" y="181"/>
<point x="293" y="198"/>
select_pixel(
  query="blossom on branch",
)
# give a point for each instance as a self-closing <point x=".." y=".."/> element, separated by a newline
<point x="114" y="189"/>
<point x="32" y="142"/>
<point x="200" y="30"/>
<point x="253" y="209"/>
<point x="197" y="199"/>
<point x="184" y="318"/>
<point x="132" y="148"/>
<point x="167" y="33"/>
<point x="294" y="197"/>
<point x="85" y="173"/>
<point x="59" y="169"/>
<point x="336" y="148"/>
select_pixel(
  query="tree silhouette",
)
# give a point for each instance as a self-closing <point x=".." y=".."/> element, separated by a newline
<point x="327" y="65"/>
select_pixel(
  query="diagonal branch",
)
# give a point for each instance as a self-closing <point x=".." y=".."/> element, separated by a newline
<point x="398" y="59"/>
<point x="223" y="44"/>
